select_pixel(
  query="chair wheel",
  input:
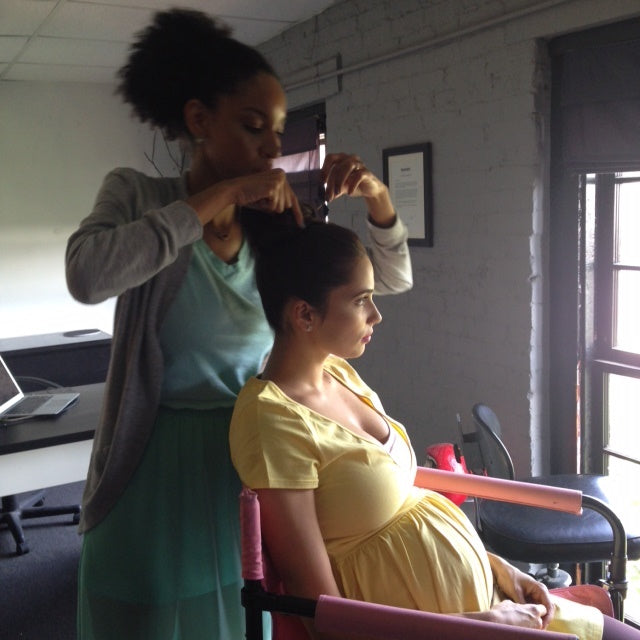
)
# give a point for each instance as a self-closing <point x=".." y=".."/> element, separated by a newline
<point x="22" y="548"/>
<point x="553" y="578"/>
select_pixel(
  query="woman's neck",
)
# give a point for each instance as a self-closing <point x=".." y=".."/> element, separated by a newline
<point x="199" y="176"/>
<point x="295" y="367"/>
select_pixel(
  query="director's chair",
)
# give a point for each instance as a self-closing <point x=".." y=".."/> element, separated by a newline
<point x="263" y="592"/>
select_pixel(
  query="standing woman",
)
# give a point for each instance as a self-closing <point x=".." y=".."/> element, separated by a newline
<point x="160" y="555"/>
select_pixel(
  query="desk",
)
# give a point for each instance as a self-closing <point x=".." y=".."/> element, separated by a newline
<point x="45" y="452"/>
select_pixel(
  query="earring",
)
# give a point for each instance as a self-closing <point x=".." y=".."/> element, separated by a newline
<point x="308" y="327"/>
<point x="199" y="140"/>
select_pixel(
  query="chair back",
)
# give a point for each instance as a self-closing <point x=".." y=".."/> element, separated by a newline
<point x="496" y="460"/>
<point x="261" y="578"/>
<point x="542" y="537"/>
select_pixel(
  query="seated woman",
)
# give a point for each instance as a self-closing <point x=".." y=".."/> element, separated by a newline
<point x="334" y="473"/>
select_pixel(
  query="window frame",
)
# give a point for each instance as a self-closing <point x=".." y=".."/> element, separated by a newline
<point x="603" y="357"/>
<point x="574" y="401"/>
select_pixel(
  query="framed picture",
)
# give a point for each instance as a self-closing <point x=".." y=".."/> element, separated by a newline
<point x="407" y="173"/>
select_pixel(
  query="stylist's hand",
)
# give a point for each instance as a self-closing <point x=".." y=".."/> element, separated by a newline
<point x="346" y="174"/>
<point x="266" y="191"/>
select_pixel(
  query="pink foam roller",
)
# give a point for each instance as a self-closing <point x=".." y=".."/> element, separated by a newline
<point x="339" y="615"/>
<point x="527" y="493"/>
<point x="251" y="554"/>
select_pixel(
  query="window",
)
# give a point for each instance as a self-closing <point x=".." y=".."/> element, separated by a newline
<point x="595" y="262"/>
<point x="610" y="395"/>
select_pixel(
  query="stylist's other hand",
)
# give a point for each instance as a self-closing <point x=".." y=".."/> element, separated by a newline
<point x="346" y="174"/>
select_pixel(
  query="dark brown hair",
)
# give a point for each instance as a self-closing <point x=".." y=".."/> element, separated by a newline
<point x="305" y="264"/>
<point x="184" y="54"/>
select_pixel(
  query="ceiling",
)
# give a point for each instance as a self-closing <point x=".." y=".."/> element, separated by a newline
<point x="88" y="40"/>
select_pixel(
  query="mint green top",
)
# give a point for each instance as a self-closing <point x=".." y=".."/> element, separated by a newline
<point x="215" y="335"/>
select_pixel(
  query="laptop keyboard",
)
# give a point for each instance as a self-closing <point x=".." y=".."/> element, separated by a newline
<point x="27" y="405"/>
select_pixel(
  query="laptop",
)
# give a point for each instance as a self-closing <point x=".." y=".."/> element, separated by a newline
<point x="15" y="404"/>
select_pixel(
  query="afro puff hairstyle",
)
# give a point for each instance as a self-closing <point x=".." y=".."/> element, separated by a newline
<point x="184" y="54"/>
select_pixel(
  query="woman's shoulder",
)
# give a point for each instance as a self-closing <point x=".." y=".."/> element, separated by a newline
<point x="141" y="181"/>
<point x="343" y="371"/>
<point x="134" y="192"/>
<point x="262" y="411"/>
<point x="259" y="395"/>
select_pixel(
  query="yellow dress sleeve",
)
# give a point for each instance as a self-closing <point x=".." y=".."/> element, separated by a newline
<point x="271" y="444"/>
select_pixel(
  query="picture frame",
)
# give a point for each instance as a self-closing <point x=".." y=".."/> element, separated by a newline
<point x="407" y="172"/>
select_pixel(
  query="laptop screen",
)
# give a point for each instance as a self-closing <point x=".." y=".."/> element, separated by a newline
<point x="10" y="392"/>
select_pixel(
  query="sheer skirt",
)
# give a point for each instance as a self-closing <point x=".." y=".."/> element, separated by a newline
<point x="165" y="562"/>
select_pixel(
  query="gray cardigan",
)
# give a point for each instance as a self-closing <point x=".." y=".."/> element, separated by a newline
<point x="136" y="244"/>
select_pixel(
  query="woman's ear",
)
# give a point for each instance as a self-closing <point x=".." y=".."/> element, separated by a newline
<point x="196" y="118"/>
<point x="303" y="316"/>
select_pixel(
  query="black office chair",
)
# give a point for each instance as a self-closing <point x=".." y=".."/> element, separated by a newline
<point x="13" y="510"/>
<point x="536" y="536"/>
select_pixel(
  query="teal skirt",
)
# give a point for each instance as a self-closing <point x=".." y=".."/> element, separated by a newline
<point x="165" y="562"/>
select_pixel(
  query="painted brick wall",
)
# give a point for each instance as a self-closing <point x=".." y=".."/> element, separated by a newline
<point x="476" y="86"/>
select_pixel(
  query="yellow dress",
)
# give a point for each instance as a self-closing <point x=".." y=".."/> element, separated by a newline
<point x="388" y="541"/>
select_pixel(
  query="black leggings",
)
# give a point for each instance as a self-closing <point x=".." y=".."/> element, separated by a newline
<point x="616" y="630"/>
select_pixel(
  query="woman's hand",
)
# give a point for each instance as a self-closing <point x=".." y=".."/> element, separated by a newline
<point x="521" y="587"/>
<point x="530" y="616"/>
<point x="346" y="174"/>
<point x="266" y="191"/>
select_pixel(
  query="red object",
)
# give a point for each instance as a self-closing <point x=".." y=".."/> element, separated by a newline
<point x="447" y="457"/>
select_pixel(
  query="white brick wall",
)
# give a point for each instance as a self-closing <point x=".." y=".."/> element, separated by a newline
<point x="471" y="329"/>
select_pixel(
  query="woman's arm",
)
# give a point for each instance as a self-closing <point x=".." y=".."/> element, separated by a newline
<point x="389" y="254"/>
<point x="346" y="174"/>
<point x="139" y="225"/>
<point x="118" y="246"/>
<point x="291" y="534"/>
<point x="267" y="191"/>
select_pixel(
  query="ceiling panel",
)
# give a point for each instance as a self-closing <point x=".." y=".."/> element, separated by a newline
<point x="58" y="73"/>
<point x="10" y="46"/>
<point x="96" y="22"/>
<point x="87" y="40"/>
<point x="23" y="17"/>
<point x="76" y="52"/>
